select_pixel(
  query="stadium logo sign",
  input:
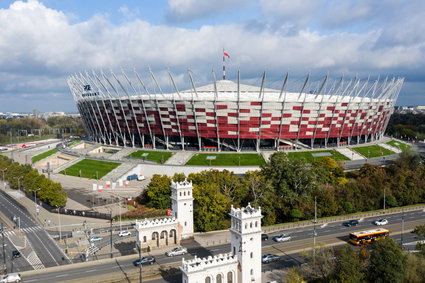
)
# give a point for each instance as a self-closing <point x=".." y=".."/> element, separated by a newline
<point x="89" y="94"/>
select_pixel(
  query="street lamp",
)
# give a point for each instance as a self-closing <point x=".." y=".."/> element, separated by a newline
<point x="4" y="183"/>
<point x="139" y="249"/>
<point x="19" y="181"/>
<point x="35" y="199"/>
<point x="59" y="220"/>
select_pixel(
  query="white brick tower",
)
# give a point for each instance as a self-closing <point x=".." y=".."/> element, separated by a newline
<point x="182" y="207"/>
<point x="245" y="233"/>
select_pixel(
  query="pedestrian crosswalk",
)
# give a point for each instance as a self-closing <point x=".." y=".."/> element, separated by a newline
<point x="35" y="261"/>
<point x="10" y="233"/>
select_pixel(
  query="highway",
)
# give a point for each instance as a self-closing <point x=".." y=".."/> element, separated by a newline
<point x="44" y="246"/>
<point x="302" y="239"/>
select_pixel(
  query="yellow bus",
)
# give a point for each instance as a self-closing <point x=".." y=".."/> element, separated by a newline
<point x="368" y="236"/>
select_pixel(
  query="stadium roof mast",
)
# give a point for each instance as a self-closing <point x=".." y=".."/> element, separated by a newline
<point x="224" y="63"/>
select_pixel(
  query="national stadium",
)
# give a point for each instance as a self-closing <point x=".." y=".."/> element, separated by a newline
<point x="119" y="109"/>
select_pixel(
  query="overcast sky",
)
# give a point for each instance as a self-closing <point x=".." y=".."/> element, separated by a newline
<point x="43" y="42"/>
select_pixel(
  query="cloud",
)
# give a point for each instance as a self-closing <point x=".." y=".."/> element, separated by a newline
<point x="187" y="10"/>
<point x="40" y="47"/>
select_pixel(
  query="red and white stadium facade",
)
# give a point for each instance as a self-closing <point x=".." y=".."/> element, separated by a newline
<point x="227" y="115"/>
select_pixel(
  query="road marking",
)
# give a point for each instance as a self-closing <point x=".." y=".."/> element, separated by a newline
<point x="62" y="275"/>
<point x="30" y="280"/>
<point x="91" y="270"/>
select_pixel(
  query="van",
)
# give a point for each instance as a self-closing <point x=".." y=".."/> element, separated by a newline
<point x="132" y="177"/>
<point x="11" y="277"/>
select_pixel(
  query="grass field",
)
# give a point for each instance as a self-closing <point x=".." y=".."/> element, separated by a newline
<point x="372" y="151"/>
<point x="308" y="155"/>
<point x="399" y="145"/>
<point x="43" y="155"/>
<point x="73" y="143"/>
<point x="92" y="169"/>
<point x="156" y="156"/>
<point x="227" y="159"/>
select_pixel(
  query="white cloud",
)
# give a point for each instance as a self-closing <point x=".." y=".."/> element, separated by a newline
<point x="40" y="47"/>
<point x="186" y="10"/>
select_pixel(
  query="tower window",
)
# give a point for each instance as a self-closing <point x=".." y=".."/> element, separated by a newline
<point x="252" y="254"/>
<point x="185" y="223"/>
<point x="180" y="193"/>
<point x="256" y="223"/>
<point x="252" y="271"/>
<point x="250" y="225"/>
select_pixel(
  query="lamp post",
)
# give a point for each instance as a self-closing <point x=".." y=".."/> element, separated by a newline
<point x="139" y="249"/>
<point x="4" y="183"/>
<point x="4" y="252"/>
<point x="59" y="219"/>
<point x="35" y="200"/>
<point x="19" y="181"/>
<point x="385" y="191"/>
<point x="314" y="232"/>
<point x="402" y="226"/>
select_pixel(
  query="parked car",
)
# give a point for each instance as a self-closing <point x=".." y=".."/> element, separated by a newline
<point x="267" y="258"/>
<point x="141" y="178"/>
<point x="264" y="237"/>
<point x="95" y="239"/>
<point x="124" y="234"/>
<point x="11" y="277"/>
<point x="144" y="260"/>
<point x="132" y="177"/>
<point x="176" y="251"/>
<point x="380" y="222"/>
<point x="282" y="238"/>
<point x="351" y="223"/>
<point x="16" y="254"/>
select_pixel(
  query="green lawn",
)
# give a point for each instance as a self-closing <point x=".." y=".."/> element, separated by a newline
<point x="399" y="145"/>
<point x="308" y="155"/>
<point x="72" y="143"/>
<point x="43" y="155"/>
<point x="156" y="156"/>
<point x="19" y="139"/>
<point x="92" y="169"/>
<point x="372" y="151"/>
<point x="227" y="159"/>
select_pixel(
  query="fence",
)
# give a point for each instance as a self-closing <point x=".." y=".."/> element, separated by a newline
<point x="342" y="218"/>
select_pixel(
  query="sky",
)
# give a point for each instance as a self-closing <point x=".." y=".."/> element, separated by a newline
<point x="42" y="43"/>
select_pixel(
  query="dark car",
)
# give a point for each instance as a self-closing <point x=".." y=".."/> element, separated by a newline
<point x="16" y="254"/>
<point x="264" y="237"/>
<point x="351" y="223"/>
<point x="144" y="260"/>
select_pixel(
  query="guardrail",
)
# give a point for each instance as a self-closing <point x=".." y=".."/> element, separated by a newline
<point x="342" y="218"/>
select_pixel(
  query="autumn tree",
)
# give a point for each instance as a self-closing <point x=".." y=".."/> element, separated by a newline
<point x="387" y="262"/>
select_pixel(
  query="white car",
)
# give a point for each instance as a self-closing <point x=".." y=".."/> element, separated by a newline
<point x="176" y="251"/>
<point x="282" y="238"/>
<point x="95" y="239"/>
<point x="381" y="222"/>
<point x="124" y="234"/>
<point x="11" y="277"/>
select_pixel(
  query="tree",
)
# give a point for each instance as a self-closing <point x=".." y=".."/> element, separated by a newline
<point x="349" y="268"/>
<point x="330" y="171"/>
<point x="321" y="264"/>
<point x="387" y="262"/>
<point x="415" y="271"/>
<point x="157" y="194"/>
<point x="210" y="208"/>
<point x="420" y="232"/>
<point x="294" y="276"/>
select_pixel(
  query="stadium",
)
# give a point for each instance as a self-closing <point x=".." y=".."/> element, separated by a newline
<point x="231" y="116"/>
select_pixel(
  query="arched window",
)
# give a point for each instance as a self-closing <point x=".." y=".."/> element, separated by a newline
<point x="252" y="271"/>
<point x="229" y="277"/>
<point x="256" y="223"/>
<point x="219" y="278"/>
<point x="251" y="254"/>
<point x="144" y="239"/>
<point x="184" y="193"/>
<point x="208" y="280"/>
<point x="188" y="193"/>
<point x="185" y="223"/>
<point x="180" y="193"/>
<point x="246" y="225"/>
<point x="250" y="225"/>
<point x="234" y="250"/>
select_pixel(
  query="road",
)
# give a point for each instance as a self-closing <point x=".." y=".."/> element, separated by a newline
<point x="302" y="239"/>
<point x="45" y="247"/>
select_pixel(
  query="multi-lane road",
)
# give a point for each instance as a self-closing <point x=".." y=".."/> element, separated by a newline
<point x="302" y="239"/>
<point x="47" y="253"/>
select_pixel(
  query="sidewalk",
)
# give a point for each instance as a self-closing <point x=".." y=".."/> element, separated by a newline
<point x="51" y="220"/>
